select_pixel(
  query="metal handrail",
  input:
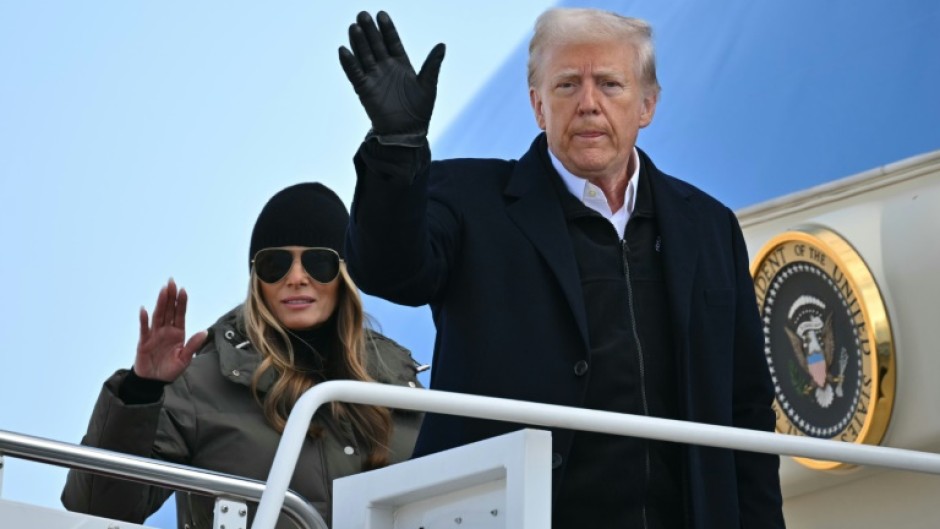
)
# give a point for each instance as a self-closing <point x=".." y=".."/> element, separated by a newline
<point x="153" y="472"/>
<point x="560" y="417"/>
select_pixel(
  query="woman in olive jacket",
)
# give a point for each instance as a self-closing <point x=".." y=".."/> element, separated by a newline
<point x="224" y="407"/>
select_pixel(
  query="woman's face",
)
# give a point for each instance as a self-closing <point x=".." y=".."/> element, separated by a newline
<point x="297" y="300"/>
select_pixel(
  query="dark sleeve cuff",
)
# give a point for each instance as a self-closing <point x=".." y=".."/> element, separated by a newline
<point x="395" y="164"/>
<point x="137" y="390"/>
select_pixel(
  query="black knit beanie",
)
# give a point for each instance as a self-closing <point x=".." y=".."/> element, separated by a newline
<point x="308" y="214"/>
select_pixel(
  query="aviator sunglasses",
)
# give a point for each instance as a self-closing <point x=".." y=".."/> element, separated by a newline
<point x="272" y="264"/>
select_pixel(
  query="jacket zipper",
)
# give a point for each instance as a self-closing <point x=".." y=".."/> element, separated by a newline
<point x="639" y="352"/>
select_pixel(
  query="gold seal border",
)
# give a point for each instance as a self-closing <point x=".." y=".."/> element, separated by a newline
<point x="877" y="327"/>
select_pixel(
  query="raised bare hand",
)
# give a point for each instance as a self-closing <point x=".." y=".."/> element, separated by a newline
<point x="161" y="353"/>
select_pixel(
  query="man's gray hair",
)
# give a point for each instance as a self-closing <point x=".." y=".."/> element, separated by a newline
<point x="575" y="25"/>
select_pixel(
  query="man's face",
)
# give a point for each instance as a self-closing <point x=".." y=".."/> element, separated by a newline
<point x="590" y="104"/>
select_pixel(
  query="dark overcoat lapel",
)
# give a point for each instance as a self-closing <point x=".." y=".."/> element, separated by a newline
<point x="679" y="223"/>
<point x="534" y="207"/>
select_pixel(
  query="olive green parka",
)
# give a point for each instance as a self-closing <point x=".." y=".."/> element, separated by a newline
<point x="209" y="418"/>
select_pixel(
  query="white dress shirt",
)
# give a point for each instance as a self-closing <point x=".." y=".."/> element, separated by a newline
<point x="593" y="197"/>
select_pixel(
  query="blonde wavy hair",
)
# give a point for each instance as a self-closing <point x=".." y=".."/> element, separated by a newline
<point x="371" y="425"/>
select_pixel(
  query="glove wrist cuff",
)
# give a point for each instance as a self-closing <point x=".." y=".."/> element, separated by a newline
<point x="415" y="139"/>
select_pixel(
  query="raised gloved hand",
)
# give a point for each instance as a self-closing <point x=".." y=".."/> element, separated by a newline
<point x="398" y="102"/>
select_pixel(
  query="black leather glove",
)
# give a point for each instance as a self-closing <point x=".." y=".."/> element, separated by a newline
<point x="398" y="102"/>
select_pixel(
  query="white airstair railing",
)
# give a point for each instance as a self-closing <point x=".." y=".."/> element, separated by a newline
<point x="154" y="472"/>
<point x="538" y="414"/>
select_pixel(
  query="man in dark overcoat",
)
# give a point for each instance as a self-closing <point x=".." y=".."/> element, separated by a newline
<point x="579" y="275"/>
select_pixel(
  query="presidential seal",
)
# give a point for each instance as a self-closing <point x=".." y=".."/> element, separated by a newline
<point x="827" y="339"/>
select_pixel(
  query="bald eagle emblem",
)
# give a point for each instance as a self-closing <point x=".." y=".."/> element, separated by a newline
<point x="813" y="343"/>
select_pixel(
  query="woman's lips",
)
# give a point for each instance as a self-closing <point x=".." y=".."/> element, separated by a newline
<point x="298" y="302"/>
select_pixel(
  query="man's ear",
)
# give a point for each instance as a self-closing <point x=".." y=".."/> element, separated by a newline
<point x="536" y="100"/>
<point x="649" y="109"/>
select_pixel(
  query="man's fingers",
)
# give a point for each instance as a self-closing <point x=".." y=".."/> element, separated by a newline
<point x="351" y="66"/>
<point x="432" y="67"/>
<point x="372" y="35"/>
<point x="391" y="39"/>
<point x="360" y="48"/>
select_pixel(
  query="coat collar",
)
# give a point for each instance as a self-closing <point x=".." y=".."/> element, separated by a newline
<point x="386" y="361"/>
<point x="238" y="358"/>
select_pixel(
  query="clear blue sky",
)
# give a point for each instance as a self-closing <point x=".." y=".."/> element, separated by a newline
<point x="139" y="141"/>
